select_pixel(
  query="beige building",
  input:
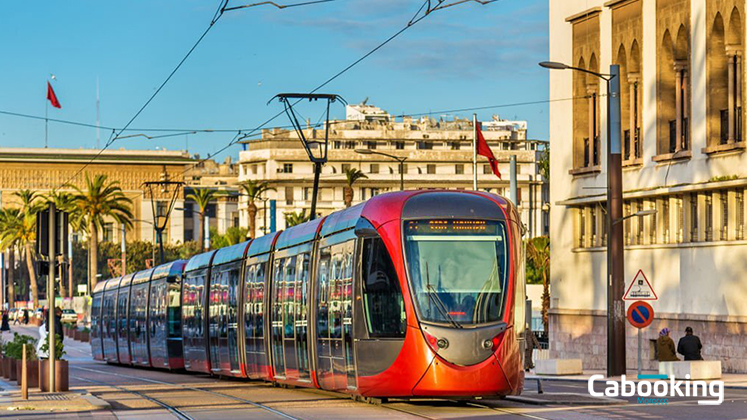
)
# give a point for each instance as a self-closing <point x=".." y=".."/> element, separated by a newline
<point x="223" y="212"/>
<point x="438" y="153"/>
<point x="682" y="84"/>
<point x="42" y="170"/>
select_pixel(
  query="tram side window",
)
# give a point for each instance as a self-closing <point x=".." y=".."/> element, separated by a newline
<point x="174" y="310"/>
<point x="382" y="296"/>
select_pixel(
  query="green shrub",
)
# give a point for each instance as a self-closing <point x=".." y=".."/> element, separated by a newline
<point x="59" y="347"/>
<point x="14" y="349"/>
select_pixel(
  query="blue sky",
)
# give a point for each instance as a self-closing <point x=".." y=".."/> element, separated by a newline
<point x="465" y="56"/>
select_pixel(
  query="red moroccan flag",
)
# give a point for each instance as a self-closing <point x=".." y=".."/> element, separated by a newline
<point x="52" y="97"/>
<point x="484" y="150"/>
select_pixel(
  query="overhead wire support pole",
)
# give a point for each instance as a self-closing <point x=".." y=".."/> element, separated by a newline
<point x="51" y="339"/>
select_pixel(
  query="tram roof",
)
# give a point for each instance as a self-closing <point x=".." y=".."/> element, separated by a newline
<point x="262" y="245"/>
<point x="100" y="286"/>
<point x="299" y="234"/>
<point x="199" y="261"/>
<point x="142" y="276"/>
<point x="341" y="220"/>
<point x="174" y="268"/>
<point x="112" y="283"/>
<point x="230" y="253"/>
<point x="126" y="280"/>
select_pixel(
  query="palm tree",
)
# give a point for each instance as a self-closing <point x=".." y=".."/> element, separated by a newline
<point x="28" y="201"/>
<point x="538" y="251"/>
<point x="253" y="191"/>
<point x="9" y="218"/>
<point x="99" y="199"/>
<point x="351" y="176"/>
<point x="202" y="197"/>
<point x="296" y="218"/>
<point x="26" y="234"/>
<point x="19" y="230"/>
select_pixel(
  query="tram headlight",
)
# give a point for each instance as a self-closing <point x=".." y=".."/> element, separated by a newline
<point x="442" y="343"/>
<point x="487" y="344"/>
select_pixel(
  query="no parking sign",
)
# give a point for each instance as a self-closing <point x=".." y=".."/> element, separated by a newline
<point x="640" y="314"/>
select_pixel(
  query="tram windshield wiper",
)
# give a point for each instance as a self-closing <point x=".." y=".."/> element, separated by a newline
<point x="433" y="295"/>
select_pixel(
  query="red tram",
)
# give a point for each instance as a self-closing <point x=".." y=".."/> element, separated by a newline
<point x="415" y="293"/>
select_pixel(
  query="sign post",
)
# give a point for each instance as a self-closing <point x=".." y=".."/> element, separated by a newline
<point x="640" y="314"/>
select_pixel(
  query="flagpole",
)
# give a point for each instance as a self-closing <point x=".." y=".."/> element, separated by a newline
<point x="46" y="122"/>
<point x="474" y="152"/>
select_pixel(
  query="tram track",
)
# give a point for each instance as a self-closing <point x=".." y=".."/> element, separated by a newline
<point x="176" y="411"/>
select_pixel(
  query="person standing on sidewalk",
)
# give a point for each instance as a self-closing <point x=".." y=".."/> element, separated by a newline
<point x="5" y="326"/>
<point x="25" y="316"/>
<point x="665" y="347"/>
<point x="690" y="346"/>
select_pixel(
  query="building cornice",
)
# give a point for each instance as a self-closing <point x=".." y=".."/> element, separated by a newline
<point x="586" y="14"/>
<point x="656" y="191"/>
<point x="618" y="3"/>
<point x="86" y="155"/>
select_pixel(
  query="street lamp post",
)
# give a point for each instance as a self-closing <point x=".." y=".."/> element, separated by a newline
<point x="401" y="161"/>
<point x="615" y="241"/>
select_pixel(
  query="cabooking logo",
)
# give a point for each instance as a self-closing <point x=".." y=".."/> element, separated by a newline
<point x="661" y="388"/>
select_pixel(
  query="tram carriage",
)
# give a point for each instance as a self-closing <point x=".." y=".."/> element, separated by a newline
<point x="97" y="347"/>
<point x="409" y="294"/>
<point x="109" y="320"/>
<point x="123" y="326"/>
<point x="165" y="316"/>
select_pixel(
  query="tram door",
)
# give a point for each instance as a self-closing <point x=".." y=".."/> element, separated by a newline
<point x="231" y="319"/>
<point x="335" y="350"/>
<point x="276" y="320"/>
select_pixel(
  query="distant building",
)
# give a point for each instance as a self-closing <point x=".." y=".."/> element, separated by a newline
<point x="683" y="103"/>
<point x="223" y="212"/>
<point x="438" y="152"/>
<point x="41" y="170"/>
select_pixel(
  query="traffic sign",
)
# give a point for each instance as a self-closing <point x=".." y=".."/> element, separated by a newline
<point x="640" y="289"/>
<point x="640" y="314"/>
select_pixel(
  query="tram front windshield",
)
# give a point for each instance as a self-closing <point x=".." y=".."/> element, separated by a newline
<point x="457" y="269"/>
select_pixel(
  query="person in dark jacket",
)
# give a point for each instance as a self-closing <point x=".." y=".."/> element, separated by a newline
<point x="5" y="326"/>
<point x="665" y="347"/>
<point x="689" y="346"/>
<point x="57" y="323"/>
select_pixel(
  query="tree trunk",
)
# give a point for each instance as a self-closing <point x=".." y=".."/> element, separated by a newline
<point x="11" y="277"/>
<point x="545" y="301"/>
<point x="93" y="244"/>
<point x="32" y="275"/>
<point x="252" y="210"/>
<point x="62" y="279"/>
<point x="201" y="236"/>
<point x="347" y="193"/>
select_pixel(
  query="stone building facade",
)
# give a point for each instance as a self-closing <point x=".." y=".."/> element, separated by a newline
<point x="42" y="170"/>
<point x="682" y="106"/>
<point x="438" y="153"/>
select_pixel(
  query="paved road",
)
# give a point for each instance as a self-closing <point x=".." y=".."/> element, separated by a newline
<point x="146" y="394"/>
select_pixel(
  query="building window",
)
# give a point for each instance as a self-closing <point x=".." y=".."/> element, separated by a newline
<point x="459" y="169"/>
<point x="653" y="224"/>
<point x="431" y="169"/>
<point x="371" y="144"/>
<point x="693" y="217"/>
<point x="593" y="226"/>
<point x="665" y="220"/>
<point x="639" y="224"/>
<point x="627" y="209"/>
<point x="287" y="168"/>
<point x="581" y="227"/>
<point x="455" y="145"/>
<point x="337" y="145"/>
<point x="374" y="169"/>
<point x="108" y="232"/>
<point x="673" y="87"/>
<point x="739" y="216"/>
<point x="425" y="145"/>
<point x="345" y="167"/>
<point x="679" y="204"/>
<point x="399" y="145"/>
<point x="724" y="72"/>
<point x="254" y="169"/>
<point x="375" y="192"/>
<point x="210" y="210"/>
<point x="288" y="195"/>
<point x="708" y="216"/>
<point x="486" y="170"/>
<point x="724" y="216"/>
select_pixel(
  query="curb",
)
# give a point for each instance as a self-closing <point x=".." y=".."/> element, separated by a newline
<point x="96" y="402"/>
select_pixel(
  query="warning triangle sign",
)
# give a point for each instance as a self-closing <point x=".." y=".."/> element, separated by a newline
<point x="640" y="289"/>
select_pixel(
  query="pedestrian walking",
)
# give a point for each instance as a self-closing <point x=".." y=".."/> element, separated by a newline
<point x="690" y="346"/>
<point x="531" y="344"/>
<point x="665" y="347"/>
<point x="17" y="319"/>
<point x="25" y="316"/>
<point x="5" y="325"/>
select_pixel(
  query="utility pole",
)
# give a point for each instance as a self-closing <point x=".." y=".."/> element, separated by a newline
<point x="474" y="152"/>
<point x="52" y="340"/>
<point x="124" y="250"/>
<point x="514" y="195"/>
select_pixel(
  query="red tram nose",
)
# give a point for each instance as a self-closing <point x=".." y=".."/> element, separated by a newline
<point x="464" y="346"/>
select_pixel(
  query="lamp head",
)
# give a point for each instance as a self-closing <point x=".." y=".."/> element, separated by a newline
<point x="553" y="65"/>
<point x="363" y="151"/>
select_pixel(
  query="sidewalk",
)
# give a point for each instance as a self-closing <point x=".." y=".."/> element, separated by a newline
<point x="10" y="400"/>
<point x="731" y="380"/>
